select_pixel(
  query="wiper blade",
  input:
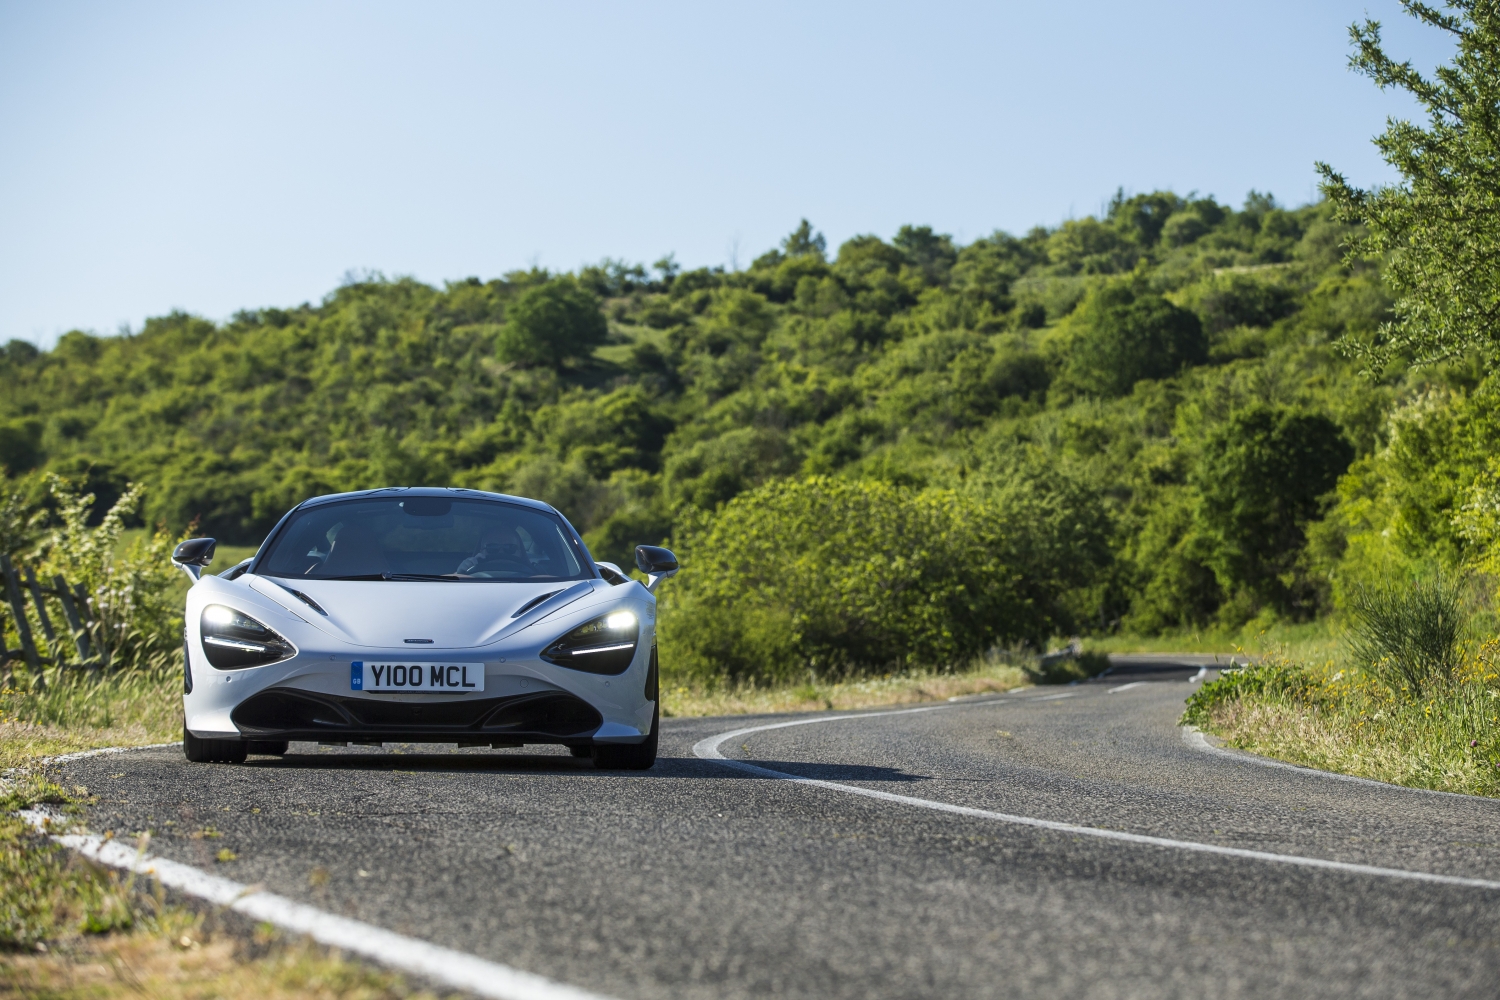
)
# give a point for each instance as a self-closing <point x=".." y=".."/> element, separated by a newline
<point x="423" y="576"/>
<point x="363" y="576"/>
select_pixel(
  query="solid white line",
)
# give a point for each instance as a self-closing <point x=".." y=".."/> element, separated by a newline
<point x="1195" y="739"/>
<point x="708" y="749"/>
<point x="81" y="754"/>
<point x="453" y="969"/>
<point x="1127" y="687"/>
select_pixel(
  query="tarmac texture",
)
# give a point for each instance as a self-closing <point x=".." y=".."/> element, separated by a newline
<point x="699" y="880"/>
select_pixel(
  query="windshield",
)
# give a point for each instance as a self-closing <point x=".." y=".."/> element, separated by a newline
<point x="403" y="538"/>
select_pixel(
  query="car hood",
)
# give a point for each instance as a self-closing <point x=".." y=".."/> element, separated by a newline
<point x="454" y="615"/>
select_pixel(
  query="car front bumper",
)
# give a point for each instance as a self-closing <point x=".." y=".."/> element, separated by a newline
<point x="525" y="699"/>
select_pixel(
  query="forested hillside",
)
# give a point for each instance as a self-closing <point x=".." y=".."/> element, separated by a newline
<point x="1159" y="386"/>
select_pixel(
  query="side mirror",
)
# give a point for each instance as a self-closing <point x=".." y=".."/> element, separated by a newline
<point x="193" y="555"/>
<point x="656" y="562"/>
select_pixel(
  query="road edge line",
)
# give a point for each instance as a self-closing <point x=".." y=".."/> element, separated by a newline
<point x="455" y="969"/>
<point x="708" y="749"/>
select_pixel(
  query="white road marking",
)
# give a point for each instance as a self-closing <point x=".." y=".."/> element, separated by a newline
<point x="708" y="749"/>
<point x="1127" y="687"/>
<point x="1195" y="739"/>
<point x="453" y="969"/>
<point x="1198" y="676"/>
<point x="81" y="754"/>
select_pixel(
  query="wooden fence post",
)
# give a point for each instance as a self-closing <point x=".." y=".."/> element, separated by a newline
<point x="92" y="621"/>
<point x="5" y="657"/>
<point x="41" y="612"/>
<point x="75" y="624"/>
<point x="23" y="627"/>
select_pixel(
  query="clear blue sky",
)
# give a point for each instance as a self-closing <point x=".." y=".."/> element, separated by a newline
<point x="212" y="157"/>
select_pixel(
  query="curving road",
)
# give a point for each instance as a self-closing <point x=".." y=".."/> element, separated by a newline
<point x="910" y="865"/>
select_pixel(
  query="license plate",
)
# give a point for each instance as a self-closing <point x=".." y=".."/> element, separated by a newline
<point x="451" y="678"/>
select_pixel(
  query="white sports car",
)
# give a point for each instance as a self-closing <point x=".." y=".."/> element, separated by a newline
<point x="421" y="615"/>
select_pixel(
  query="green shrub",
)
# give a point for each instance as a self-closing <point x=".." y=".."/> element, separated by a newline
<point x="1409" y="637"/>
<point x="131" y="589"/>
<point x="1275" y="677"/>
<point x="1260" y="478"/>
<point x="1120" y="337"/>
<point x="134" y="596"/>
<point x="556" y="321"/>
<point x="831" y="578"/>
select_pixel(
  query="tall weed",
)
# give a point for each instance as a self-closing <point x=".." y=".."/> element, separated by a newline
<point x="1409" y="637"/>
<point x="132" y="603"/>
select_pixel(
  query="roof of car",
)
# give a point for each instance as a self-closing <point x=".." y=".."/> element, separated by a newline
<point x="455" y="492"/>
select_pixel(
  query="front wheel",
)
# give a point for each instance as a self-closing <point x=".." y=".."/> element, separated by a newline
<point x="630" y="756"/>
<point x="201" y="751"/>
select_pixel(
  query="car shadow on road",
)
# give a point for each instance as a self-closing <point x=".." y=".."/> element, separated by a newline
<point x="560" y="766"/>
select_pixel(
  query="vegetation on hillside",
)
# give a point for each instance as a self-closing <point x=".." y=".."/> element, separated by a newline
<point x="1174" y="414"/>
<point x="1150" y="399"/>
<point x="1416" y="698"/>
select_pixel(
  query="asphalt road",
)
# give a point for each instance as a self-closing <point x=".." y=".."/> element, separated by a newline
<point x="696" y="879"/>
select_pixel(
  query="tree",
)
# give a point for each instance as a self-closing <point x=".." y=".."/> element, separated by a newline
<point x="804" y="242"/>
<point x="1121" y="337"/>
<point x="556" y="321"/>
<point x="1261" y="479"/>
<point x="1438" y="231"/>
<point x="933" y="254"/>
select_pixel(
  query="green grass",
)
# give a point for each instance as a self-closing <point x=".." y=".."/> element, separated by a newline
<point x="1309" y="640"/>
<point x="1334" y="716"/>
<point x="81" y="712"/>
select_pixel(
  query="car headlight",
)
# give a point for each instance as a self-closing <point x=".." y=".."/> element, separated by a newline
<point x="232" y="639"/>
<point x="605" y="645"/>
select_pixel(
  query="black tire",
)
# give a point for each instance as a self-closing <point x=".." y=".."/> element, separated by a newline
<point x="268" y="748"/>
<point x="212" y="751"/>
<point x="630" y="756"/>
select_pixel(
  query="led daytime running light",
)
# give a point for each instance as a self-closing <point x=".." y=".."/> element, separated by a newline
<point x="605" y="645"/>
<point x="232" y="640"/>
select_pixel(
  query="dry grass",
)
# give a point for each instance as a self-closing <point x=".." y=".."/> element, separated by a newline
<point x="877" y="692"/>
<point x="1299" y="735"/>
<point x="73" y="929"/>
<point x="70" y="928"/>
<point x="23" y="743"/>
<point x="1448" y="741"/>
<point x="79" y="712"/>
<point x="183" y="960"/>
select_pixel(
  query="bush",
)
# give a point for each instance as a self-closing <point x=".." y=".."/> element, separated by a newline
<point x="1410" y="637"/>
<point x="1277" y="676"/>
<point x="1121" y="337"/>
<point x="551" y="323"/>
<point x="133" y="592"/>
<point x="832" y="579"/>
<point x="1223" y="302"/>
